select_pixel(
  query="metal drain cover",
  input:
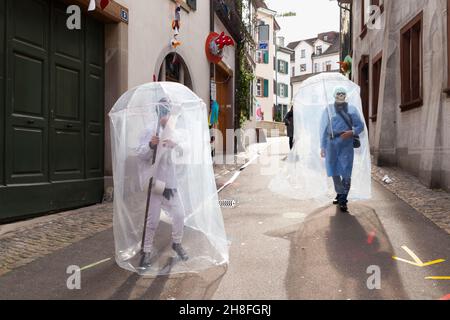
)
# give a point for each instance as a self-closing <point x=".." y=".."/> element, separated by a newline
<point x="230" y="204"/>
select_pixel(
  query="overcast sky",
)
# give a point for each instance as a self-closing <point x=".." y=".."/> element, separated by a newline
<point x="313" y="17"/>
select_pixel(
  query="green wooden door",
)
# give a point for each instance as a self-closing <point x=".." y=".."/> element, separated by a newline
<point x="2" y="89"/>
<point x="94" y="86"/>
<point x="49" y="154"/>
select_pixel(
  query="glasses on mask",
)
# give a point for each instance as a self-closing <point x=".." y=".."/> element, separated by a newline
<point x="341" y="94"/>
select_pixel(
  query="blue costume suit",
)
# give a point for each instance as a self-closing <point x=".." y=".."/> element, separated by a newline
<point x="339" y="152"/>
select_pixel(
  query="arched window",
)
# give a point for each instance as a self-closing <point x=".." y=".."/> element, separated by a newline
<point x="174" y="69"/>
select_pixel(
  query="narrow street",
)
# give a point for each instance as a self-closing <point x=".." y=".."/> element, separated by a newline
<point x="279" y="250"/>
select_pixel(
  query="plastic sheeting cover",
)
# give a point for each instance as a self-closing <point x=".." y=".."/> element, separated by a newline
<point x="304" y="174"/>
<point x="182" y="164"/>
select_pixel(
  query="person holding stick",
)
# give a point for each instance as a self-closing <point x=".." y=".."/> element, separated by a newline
<point x="162" y="190"/>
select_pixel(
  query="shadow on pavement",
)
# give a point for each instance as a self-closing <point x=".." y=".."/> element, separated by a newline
<point x="46" y="278"/>
<point x="331" y="251"/>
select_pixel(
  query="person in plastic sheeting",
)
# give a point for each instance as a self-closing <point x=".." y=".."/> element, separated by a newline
<point x="337" y="132"/>
<point x="165" y="180"/>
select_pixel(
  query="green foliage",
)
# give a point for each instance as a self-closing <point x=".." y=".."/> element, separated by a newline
<point x="245" y="76"/>
<point x="244" y="95"/>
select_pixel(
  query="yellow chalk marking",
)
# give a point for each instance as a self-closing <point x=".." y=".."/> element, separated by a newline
<point x="95" y="264"/>
<point x="417" y="262"/>
<point x="412" y="254"/>
<point x="403" y="260"/>
<point x="426" y="264"/>
<point x="437" y="278"/>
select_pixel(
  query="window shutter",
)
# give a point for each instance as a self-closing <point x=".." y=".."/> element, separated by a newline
<point x="266" y="57"/>
<point x="286" y="91"/>
<point x="266" y="88"/>
<point x="286" y="67"/>
<point x="192" y="4"/>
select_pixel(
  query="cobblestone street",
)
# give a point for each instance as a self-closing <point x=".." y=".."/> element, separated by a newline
<point x="433" y="204"/>
<point x="24" y="242"/>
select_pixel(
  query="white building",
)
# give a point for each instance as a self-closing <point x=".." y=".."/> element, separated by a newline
<point x="282" y="84"/>
<point x="313" y="56"/>
<point x="265" y="55"/>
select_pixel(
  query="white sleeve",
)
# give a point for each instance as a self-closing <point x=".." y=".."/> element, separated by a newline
<point x="143" y="151"/>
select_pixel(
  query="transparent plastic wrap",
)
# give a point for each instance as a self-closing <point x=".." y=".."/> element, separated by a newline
<point x="306" y="175"/>
<point x="162" y="170"/>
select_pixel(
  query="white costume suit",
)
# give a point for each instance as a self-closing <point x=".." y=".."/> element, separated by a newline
<point x="165" y="172"/>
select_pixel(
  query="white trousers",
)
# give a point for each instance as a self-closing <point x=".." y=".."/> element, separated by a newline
<point x="175" y="210"/>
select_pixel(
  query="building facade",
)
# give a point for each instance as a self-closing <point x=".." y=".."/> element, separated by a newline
<point x="265" y="55"/>
<point x="282" y="82"/>
<point x="313" y="56"/>
<point x="401" y="61"/>
<point x="59" y="85"/>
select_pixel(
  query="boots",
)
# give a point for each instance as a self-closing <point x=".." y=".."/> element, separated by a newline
<point x="145" y="260"/>
<point x="180" y="251"/>
<point x="336" y="200"/>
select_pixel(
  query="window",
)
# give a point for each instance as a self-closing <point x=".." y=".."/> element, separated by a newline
<point x="325" y="38"/>
<point x="303" y="68"/>
<point x="376" y="77"/>
<point x="262" y="56"/>
<point x="293" y="69"/>
<point x="192" y="4"/>
<point x="303" y="54"/>
<point x="411" y="64"/>
<point x="363" y="81"/>
<point x="318" y="50"/>
<point x="283" y="66"/>
<point x="283" y="90"/>
<point x="263" y="32"/>
<point x="262" y="87"/>
<point x="259" y="87"/>
<point x="363" y="19"/>
<point x="316" y="67"/>
<point x="328" y="66"/>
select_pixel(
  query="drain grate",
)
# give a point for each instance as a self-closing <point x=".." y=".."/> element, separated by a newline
<point x="229" y="204"/>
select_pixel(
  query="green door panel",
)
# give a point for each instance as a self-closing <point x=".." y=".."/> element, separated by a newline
<point x="26" y="125"/>
<point x="2" y="88"/>
<point x="94" y="99"/>
<point x="30" y="23"/>
<point x="67" y="105"/>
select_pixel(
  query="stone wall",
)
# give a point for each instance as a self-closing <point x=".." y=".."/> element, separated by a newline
<point x="417" y="140"/>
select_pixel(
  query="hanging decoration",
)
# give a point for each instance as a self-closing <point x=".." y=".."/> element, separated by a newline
<point x="346" y="65"/>
<point x="93" y="5"/>
<point x="176" y="25"/>
<point x="215" y="43"/>
<point x="214" y="116"/>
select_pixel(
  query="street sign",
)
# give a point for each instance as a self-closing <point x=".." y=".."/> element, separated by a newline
<point x="263" y="45"/>
<point x="124" y="14"/>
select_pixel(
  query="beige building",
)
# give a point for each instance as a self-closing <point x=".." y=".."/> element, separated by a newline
<point x="401" y="61"/>
<point x="265" y="55"/>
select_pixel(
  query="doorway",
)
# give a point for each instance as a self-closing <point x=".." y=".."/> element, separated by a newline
<point x="364" y="84"/>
